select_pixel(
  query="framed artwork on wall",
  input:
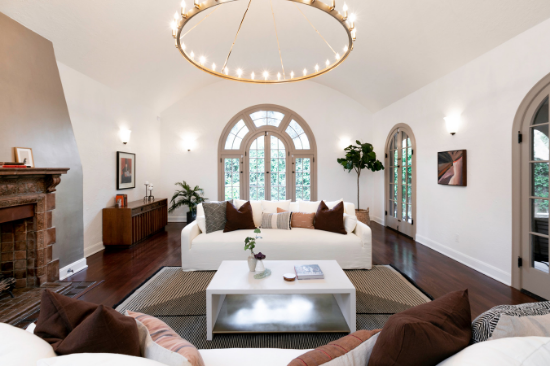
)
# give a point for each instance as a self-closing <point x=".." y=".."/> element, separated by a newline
<point x="452" y="168"/>
<point x="24" y="153"/>
<point x="126" y="170"/>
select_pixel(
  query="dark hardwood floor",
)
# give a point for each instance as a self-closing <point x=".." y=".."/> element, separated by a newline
<point x="436" y="274"/>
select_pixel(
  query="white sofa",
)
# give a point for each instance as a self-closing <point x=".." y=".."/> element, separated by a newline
<point x="201" y="251"/>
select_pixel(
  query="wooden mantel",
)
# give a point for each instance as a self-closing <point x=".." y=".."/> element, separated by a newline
<point x="32" y="171"/>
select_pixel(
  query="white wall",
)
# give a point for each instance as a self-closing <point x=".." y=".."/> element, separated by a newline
<point x="204" y="114"/>
<point x="487" y="93"/>
<point x="97" y="114"/>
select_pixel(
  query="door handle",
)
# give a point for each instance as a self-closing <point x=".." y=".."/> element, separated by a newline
<point x="267" y="172"/>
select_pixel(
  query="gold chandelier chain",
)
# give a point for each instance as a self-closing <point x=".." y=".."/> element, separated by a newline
<point x="311" y="24"/>
<point x="202" y="20"/>
<point x="277" y="36"/>
<point x="236" y="35"/>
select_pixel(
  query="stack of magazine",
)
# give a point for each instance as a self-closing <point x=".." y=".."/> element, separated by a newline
<point x="305" y="272"/>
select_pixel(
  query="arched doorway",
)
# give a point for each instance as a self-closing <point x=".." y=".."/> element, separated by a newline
<point x="530" y="185"/>
<point x="400" y="180"/>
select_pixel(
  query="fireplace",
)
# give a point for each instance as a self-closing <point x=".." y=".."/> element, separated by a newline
<point x="27" y="233"/>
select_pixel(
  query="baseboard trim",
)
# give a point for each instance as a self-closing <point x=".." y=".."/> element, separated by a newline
<point x="478" y="265"/>
<point x="90" y="250"/>
<point x="75" y="267"/>
<point x="177" y="219"/>
<point x="378" y="220"/>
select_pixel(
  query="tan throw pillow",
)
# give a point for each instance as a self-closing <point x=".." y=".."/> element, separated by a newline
<point x="302" y="220"/>
<point x="163" y="344"/>
<point x="351" y="350"/>
<point x="515" y="326"/>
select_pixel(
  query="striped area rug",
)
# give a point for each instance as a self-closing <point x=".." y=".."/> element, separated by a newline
<point x="179" y="299"/>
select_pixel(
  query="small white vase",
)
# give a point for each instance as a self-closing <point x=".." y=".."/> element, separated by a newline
<point x="252" y="263"/>
<point x="260" y="266"/>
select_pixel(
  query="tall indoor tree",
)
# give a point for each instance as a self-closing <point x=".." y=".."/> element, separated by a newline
<point x="360" y="157"/>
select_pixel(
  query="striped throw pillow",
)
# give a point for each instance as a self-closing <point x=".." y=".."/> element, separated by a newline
<point x="162" y="344"/>
<point x="276" y="220"/>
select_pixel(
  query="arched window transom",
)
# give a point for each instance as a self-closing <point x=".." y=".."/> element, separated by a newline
<point x="267" y="153"/>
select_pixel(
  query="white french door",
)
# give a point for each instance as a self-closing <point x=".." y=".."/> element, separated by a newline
<point x="267" y="169"/>
<point x="400" y="182"/>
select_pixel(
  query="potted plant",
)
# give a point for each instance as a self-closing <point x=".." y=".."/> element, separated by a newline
<point x="187" y="196"/>
<point x="359" y="157"/>
<point x="250" y="244"/>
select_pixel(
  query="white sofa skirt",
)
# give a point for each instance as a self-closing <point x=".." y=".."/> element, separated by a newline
<point x="200" y="251"/>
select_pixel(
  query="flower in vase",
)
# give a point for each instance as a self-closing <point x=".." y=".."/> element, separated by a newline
<point x="259" y="256"/>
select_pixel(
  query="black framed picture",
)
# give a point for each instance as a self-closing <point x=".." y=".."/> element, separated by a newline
<point x="452" y="168"/>
<point x="125" y="170"/>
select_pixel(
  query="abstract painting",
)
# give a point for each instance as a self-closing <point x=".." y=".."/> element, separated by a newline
<point x="451" y="168"/>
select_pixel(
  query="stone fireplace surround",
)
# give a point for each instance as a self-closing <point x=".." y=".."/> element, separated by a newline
<point x="27" y="234"/>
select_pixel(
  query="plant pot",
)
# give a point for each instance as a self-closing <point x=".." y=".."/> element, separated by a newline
<point x="252" y="261"/>
<point x="363" y="216"/>
<point x="191" y="217"/>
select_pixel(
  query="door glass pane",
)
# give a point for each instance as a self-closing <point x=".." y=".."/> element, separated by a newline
<point x="409" y="213"/>
<point x="303" y="178"/>
<point x="278" y="169"/>
<point x="539" y="138"/>
<point x="404" y="139"/>
<point x="236" y="135"/>
<point x="404" y="211"/>
<point x="409" y="156"/>
<point x="541" y="117"/>
<point x="257" y="169"/>
<point x="539" y="253"/>
<point x="232" y="178"/>
<point x="539" y="180"/>
<point x="539" y="219"/>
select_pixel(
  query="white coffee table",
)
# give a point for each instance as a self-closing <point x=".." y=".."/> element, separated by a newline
<point x="238" y="303"/>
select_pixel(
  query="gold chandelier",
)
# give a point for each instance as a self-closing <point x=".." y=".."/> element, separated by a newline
<point x="182" y="17"/>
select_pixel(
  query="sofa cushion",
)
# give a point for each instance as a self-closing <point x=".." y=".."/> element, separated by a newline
<point x="256" y="209"/>
<point x="426" y="334"/>
<point x="159" y="342"/>
<point x="215" y="215"/>
<point x="20" y="347"/>
<point x="239" y="218"/>
<point x="98" y="359"/>
<point x="302" y="220"/>
<point x="276" y="220"/>
<point x="250" y="356"/>
<point x="351" y="350"/>
<point x="526" y="351"/>
<point x="350" y="222"/>
<point x="270" y="206"/>
<point x="484" y="324"/>
<point x="308" y="206"/>
<point x="330" y="220"/>
<point x="74" y="326"/>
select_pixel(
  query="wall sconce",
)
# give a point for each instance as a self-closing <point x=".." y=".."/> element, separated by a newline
<point x="452" y="123"/>
<point x="344" y="143"/>
<point x="125" y="135"/>
<point x="188" y="143"/>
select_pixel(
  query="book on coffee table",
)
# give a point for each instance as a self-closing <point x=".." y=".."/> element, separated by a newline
<point x="306" y="272"/>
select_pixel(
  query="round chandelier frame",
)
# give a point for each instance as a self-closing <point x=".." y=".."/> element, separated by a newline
<point x="199" y="7"/>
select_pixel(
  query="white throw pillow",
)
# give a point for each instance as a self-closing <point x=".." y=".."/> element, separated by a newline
<point x="201" y="222"/>
<point x="350" y="222"/>
<point x="308" y="206"/>
<point x="515" y="326"/>
<point x="200" y="210"/>
<point x="332" y="204"/>
<point x="256" y="210"/>
<point x="271" y="206"/>
<point x="526" y="351"/>
<point x="359" y="356"/>
<point x="97" y="359"/>
<point x="294" y="207"/>
<point x="20" y="347"/>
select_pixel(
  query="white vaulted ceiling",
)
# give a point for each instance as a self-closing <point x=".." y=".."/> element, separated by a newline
<point x="402" y="45"/>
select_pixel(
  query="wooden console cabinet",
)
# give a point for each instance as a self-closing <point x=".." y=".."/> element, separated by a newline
<point x="124" y="227"/>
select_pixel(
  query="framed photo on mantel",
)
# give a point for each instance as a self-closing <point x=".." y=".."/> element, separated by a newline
<point x="126" y="170"/>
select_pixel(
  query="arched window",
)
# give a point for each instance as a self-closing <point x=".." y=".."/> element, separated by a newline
<point x="267" y="152"/>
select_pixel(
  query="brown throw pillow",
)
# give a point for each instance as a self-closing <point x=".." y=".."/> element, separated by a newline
<point x="331" y="220"/>
<point x="239" y="218"/>
<point x="426" y="334"/>
<point x="73" y="326"/>
<point x="336" y="349"/>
